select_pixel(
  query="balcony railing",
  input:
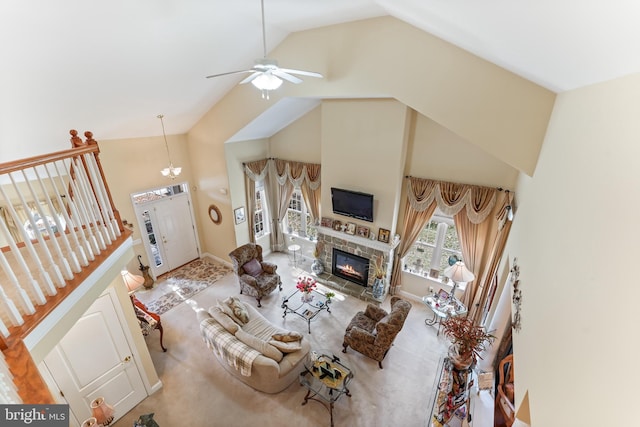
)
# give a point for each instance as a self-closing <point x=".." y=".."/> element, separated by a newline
<point x="57" y="224"/>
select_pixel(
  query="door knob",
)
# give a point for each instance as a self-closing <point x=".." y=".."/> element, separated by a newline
<point x="127" y="359"/>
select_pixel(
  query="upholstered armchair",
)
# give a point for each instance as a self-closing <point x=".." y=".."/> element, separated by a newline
<point x="372" y="332"/>
<point x="257" y="278"/>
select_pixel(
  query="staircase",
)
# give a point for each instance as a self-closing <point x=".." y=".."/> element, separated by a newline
<point x="58" y="225"/>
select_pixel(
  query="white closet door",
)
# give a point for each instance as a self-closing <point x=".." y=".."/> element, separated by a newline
<point x="94" y="359"/>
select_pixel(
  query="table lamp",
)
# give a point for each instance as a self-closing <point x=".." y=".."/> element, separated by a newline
<point x="132" y="281"/>
<point x="458" y="273"/>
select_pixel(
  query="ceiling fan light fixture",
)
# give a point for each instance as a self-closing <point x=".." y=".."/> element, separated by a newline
<point x="267" y="81"/>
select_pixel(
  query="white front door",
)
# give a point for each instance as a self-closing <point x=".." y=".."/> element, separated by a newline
<point x="94" y="359"/>
<point x="177" y="230"/>
<point x="169" y="232"/>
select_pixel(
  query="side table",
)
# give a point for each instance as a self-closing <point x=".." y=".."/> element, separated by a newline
<point x="442" y="309"/>
<point x="326" y="379"/>
<point x="294" y="249"/>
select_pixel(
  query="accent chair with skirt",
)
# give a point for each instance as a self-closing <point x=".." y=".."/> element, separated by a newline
<point x="256" y="277"/>
<point x="372" y="332"/>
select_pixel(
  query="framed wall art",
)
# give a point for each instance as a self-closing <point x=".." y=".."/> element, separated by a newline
<point x="383" y="235"/>
<point x="239" y="215"/>
<point x="326" y="222"/>
<point x="362" y="231"/>
<point x="350" y="228"/>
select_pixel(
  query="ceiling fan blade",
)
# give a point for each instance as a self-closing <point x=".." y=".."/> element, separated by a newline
<point x="251" y="77"/>
<point x="302" y="73"/>
<point x="280" y="73"/>
<point x="230" y="72"/>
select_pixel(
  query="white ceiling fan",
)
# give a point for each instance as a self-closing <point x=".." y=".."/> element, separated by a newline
<point x="266" y="75"/>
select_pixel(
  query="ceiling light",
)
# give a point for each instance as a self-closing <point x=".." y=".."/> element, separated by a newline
<point x="266" y="82"/>
<point x="171" y="171"/>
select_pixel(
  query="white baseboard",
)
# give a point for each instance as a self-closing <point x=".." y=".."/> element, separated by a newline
<point x="217" y="259"/>
<point x="412" y="297"/>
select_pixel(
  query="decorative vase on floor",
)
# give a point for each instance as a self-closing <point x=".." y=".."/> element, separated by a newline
<point x="316" y="267"/>
<point x="378" y="288"/>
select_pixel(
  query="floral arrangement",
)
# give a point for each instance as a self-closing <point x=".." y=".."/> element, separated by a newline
<point x="317" y="251"/>
<point x="306" y="283"/>
<point x="378" y="271"/>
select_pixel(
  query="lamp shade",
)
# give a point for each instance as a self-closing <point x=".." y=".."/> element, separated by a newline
<point x="90" y="422"/>
<point x="132" y="281"/>
<point x="102" y="411"/>
<point x="459" y="273"/>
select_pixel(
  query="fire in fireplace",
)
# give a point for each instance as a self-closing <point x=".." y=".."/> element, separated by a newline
<point x="350" y="267"/>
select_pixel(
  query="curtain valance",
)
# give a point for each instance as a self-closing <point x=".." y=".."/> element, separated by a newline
<point x="451" y="197"/>
<point x="285" y="170"/>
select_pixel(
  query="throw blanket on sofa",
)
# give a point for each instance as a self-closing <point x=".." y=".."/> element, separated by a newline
<point x="227" y="346"/>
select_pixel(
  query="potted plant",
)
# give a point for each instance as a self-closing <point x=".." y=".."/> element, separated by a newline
<point x="467" y="341"/>
<point x="328" y="296"/>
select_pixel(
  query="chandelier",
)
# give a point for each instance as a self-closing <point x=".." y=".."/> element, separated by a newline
<point x="170" y="172"/>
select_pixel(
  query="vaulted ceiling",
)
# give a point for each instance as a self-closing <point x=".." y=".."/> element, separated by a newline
<point x="112" y="67"/>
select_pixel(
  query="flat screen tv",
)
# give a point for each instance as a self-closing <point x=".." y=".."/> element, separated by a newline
<point x="352" y="204"/>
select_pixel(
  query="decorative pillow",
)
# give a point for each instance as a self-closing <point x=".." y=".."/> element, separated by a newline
<point x="253" y="268"/>
<point x="229" y="312"/>
<point x="286" y="347"/>
<point x="238" y="308"/>
<point x="227" y="322"/>
<point x="287" y="337"/>
<point x="265" y="348"/>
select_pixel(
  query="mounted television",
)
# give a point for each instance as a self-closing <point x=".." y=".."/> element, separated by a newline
<point x="352" y="204"/>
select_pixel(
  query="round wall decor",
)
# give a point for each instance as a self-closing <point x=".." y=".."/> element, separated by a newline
<point x="214" y="214"/>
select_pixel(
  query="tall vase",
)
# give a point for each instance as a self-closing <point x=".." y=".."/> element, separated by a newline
<point x="460" y="362"/>
<point x="378" y="288"/>
<point x="316" y="267"/>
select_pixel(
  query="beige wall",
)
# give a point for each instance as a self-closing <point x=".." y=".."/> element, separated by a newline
<point x="575" y="236"/>
<point x="134" y="165"/>
<point x="301" y="140"/>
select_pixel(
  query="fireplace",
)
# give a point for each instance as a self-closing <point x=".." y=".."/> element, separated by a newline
<point x="350" y="267"/>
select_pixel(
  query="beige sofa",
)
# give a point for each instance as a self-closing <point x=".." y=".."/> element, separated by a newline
<point x="246" y="348"/>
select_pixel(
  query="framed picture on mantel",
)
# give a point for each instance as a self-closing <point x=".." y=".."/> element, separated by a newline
<point x="383" y="235"/>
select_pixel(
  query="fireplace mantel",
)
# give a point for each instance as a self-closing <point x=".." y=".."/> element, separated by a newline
<point x="373" y="244"/>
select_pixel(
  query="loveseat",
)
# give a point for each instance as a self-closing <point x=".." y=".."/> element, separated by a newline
<point x="258" y="353"/>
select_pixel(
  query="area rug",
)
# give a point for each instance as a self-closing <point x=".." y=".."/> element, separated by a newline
<point x="183" y="283"/>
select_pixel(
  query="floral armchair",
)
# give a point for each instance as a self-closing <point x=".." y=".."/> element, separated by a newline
<point x="257" y="278"/>
<point x="372" y="332"/>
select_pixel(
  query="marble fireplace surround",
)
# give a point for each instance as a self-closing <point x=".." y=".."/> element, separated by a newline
<point x="366" y="248"/>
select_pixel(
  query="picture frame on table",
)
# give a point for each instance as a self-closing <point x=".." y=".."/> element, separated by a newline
<point x="239" y="215"/>
<point x="350" y="228"/>
<point x="362" y="231"/>
<point x="442" y="294"/>
<point x="383" y="235"/>
<point x="326" y="222"/>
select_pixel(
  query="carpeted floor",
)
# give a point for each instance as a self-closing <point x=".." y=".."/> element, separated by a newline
<point x="198" y="391"/>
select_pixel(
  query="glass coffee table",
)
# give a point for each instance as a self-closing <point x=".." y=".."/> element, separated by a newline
<point x="442" y="309"/>
<point x="326" y="378"/>
<point x="307" y="309"/>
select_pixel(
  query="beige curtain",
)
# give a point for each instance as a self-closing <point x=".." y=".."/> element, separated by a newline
<point x="471" y="207"/>
<point x="418" y="210"/>
<point x="11" y="225"/>
<point x="254" y="171"/>
<point x="282" y="189"/>
<point x="483" y="292"/>
<point x="311" y="191"/>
